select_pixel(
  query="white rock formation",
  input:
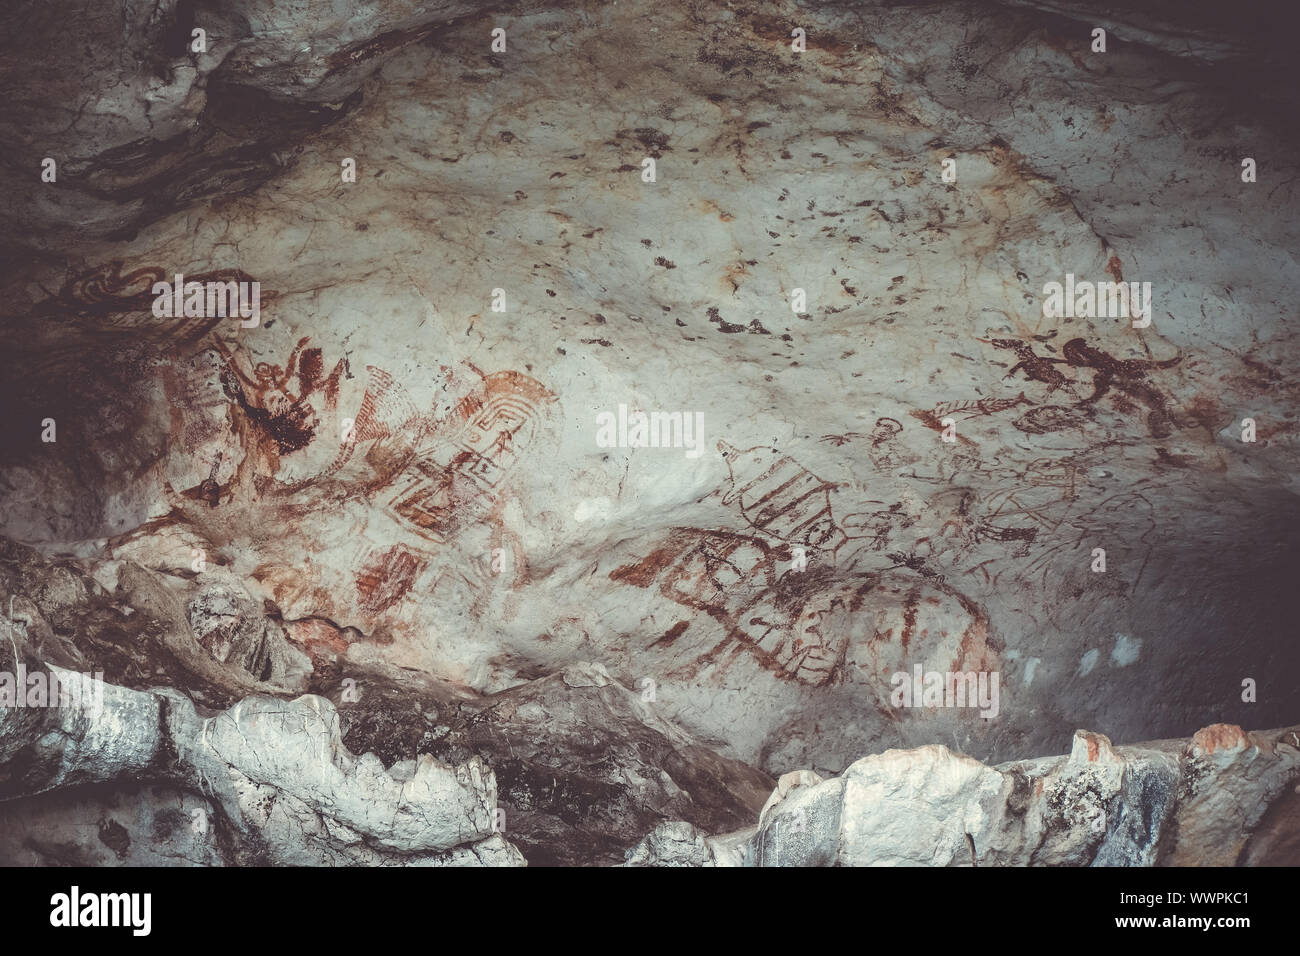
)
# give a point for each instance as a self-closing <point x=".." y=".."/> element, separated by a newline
<point x="1167" y="803"/>
<point x="277" y="772"/>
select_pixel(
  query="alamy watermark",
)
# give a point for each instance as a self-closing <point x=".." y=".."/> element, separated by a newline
<point x="1099" y="300"/>
<point x="55" y="688"/>
<point x="75" y="908"/>
<point x="924" y="688"/>
<point x="197" y="300"/>
<point x="653" y="430"/>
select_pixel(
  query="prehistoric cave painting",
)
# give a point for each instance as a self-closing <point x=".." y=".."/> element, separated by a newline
<point x="956" y="537"/>
<point x="275" y="399"/>
<point x="1128" y="377"/>
<point x="446" y="468"/>
<point x="1039" y="500"/>
<point x="1096" y="526"/>
<point x="386" y="411"/>
<point x="1025" y="509"/>
<point x="209" y="489"/>
<point x="698" y="568"/>
<point x="879" y="528"/>
<point x="1125" y="375"/>
<point x="396" y="431"/>
<point x="428" y="475"/>
<point x="1051" y="418"/>
<point x="105" y="300"/>
<point x="735" y="579"/>
<point x="438" y="497"/>
<point x="386" y="577"/>
<point x="1036" y="368"/>
<point x="884" y="450"/>
<point x="105" y="289"/>
<point x="934" y="423"/>
<point x="924" y="620"/>
<point x="811" y="626"/>
<point x="779" y="497"/>
<point x="933" y="418"/>
<point x="974" y="409"/>
<point x="885" y="431"/>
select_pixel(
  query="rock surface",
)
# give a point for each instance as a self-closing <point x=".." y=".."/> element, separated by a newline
<point x="280" y="787"/>
<point x="1167" y="803"/>
<point x="572" y="766"/>
<point x="390" y="518"/>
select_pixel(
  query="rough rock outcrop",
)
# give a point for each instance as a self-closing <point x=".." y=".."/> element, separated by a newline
<point x="1167" y="803"/>
<point x="279" y="785"/>
<point x="571" y="766"/>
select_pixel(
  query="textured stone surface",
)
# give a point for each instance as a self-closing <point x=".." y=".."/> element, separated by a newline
<point x="386" y="508"/>
<point x="584" y="765"/>
<point x="1167" y="803"/>
<point x="142" y="121"/>
<point x="281" y="786"/>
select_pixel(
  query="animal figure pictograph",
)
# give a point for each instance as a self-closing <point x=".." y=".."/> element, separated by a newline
<point x="1130" y="377"/>
<point x="276" y="399"/>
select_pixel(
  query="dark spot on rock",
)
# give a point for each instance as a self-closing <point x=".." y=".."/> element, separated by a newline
<point x="723" y="325"/>
<point x="114" y="836"/>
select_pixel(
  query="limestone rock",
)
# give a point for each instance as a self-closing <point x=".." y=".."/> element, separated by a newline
<point x="1165" y="803"/>
<point x="281" y="785"/>
<point x="584" y="766"/>
<point x="672" y="844"/>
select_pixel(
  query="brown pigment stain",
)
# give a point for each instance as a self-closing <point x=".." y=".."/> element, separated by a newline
<point x="387" y="578"/>
<point x="672" y="634"/>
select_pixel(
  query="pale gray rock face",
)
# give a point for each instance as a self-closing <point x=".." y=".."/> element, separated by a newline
<point x="1168" y="803"/>
<point x="672" y="844"/>
<point x="280" y="786"/>
<point x="398" y="520"/>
